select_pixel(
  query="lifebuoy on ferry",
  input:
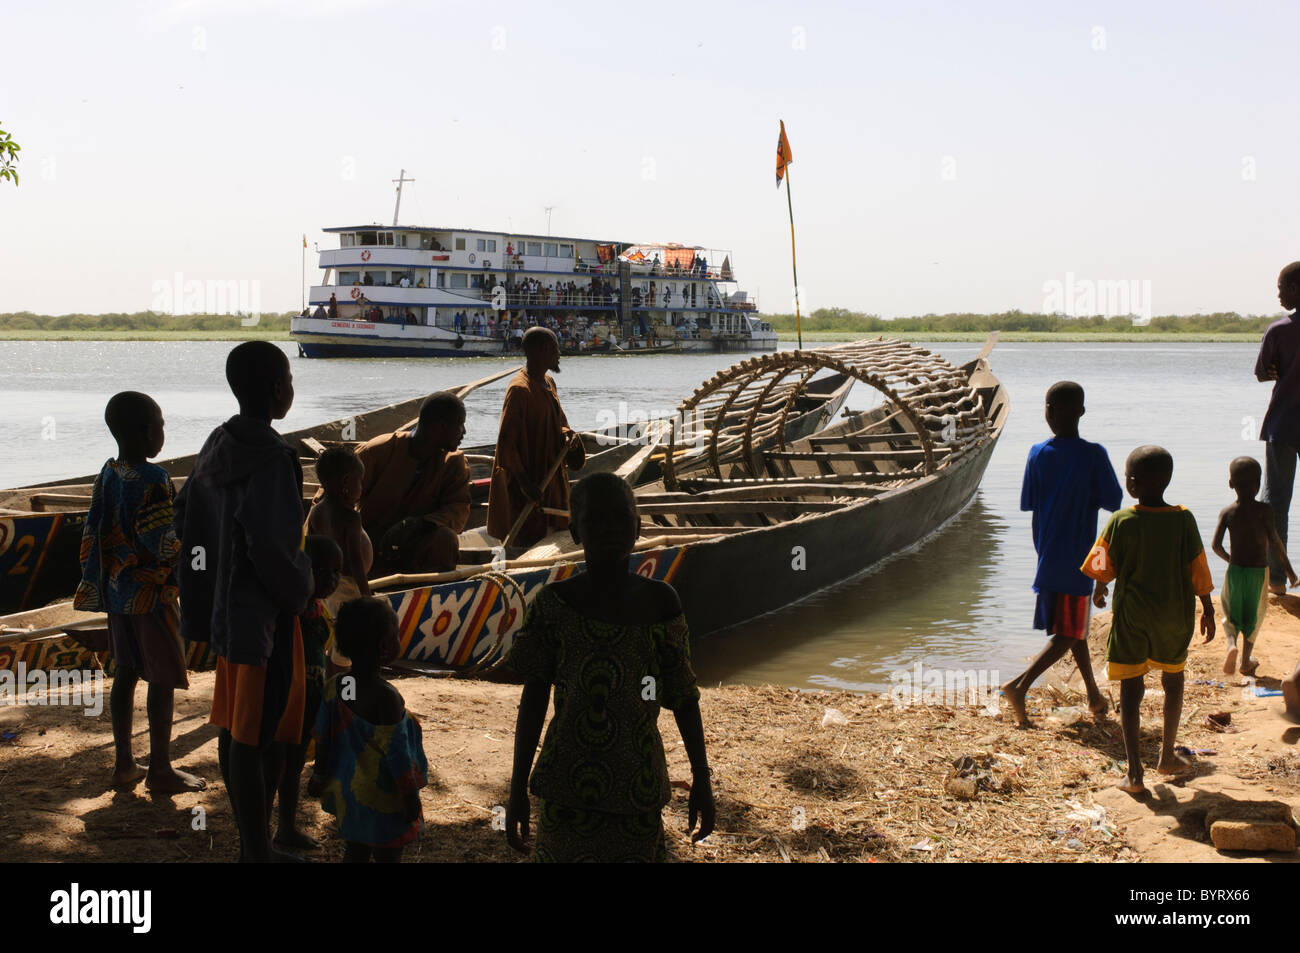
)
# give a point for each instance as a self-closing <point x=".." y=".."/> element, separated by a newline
<point x="365" y="255"/>
<point x="356" y="293"/>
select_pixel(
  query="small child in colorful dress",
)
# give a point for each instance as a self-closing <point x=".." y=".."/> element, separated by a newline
<point x="1153" y="553"/>
<point x="326" y="566"/>
<point x="1251" y="530"/>
<point x="616" y="647"/>
<point x="370" y="762"/>
<point x="129" y="552"/>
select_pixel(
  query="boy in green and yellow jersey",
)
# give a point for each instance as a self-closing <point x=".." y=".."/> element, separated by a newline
<point x="1153" y="553"/>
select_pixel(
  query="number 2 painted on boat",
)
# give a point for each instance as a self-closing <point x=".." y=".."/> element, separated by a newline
<point x="23" y="548"/>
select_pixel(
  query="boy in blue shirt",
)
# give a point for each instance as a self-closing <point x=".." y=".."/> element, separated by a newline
<point x="1067" y="480"/>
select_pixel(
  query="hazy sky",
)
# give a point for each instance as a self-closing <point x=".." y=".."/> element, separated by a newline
<point x="947" y="157"/>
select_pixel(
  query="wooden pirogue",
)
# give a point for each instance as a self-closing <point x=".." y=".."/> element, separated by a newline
<point x="758" y="527"/>
<point x="747" y="528"/>
<point x="41" y="525"/>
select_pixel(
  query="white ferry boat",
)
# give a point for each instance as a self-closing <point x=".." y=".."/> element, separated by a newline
<point x="405" y="291"/>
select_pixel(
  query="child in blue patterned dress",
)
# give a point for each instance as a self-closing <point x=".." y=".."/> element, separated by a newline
<point x="129" y="552"/>
<point x="370" y="762"/>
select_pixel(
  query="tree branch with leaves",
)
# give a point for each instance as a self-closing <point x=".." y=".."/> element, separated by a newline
<point x="8" y="156"/>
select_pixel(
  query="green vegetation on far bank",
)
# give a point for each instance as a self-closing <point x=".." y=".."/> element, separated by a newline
<point x="826" y="324"/>
<point x="947" y="327"/>
<point x="1037" y="337"/>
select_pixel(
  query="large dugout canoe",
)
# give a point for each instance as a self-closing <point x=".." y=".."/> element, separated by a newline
<point x="756" y="528"/>
<point x="41" y="525"/>
<point x="760" y="528"/>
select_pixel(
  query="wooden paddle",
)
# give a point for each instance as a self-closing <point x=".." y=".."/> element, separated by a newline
<point x="541" y="488"/>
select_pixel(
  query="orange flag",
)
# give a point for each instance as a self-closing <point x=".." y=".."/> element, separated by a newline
<point x="783" y="156"/>
<point x="304" y="241"/>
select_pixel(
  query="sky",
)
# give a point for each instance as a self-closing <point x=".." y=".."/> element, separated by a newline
<point x="948" y="157"/>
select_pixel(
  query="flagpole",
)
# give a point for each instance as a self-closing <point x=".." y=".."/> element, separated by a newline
<point x="798" y="322"/>
<point x="304" y="272"/>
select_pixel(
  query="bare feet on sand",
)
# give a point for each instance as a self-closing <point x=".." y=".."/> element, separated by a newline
<point x="1016" y="699"/>
<point x="1132" y="784"/>
<point x="295" y="840"/>
<point x="174" y="781"/>
<point x="1230" y="660"/>
<point x="1250" y="668"/>
<point x="129" y="776"/>
<point x="1098" y="706"/>
<point x="1277" y="588"/>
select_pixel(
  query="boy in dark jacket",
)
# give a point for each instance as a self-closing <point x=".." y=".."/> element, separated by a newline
<point x="244" y="579"/>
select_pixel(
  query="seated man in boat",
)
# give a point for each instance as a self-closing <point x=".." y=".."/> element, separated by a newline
<point x="534" y="439"/>
<point x="415" y="490"/>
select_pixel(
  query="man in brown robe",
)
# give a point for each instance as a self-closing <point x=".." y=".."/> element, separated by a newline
<point x="534" y="433"/>
<point x="415" y="492"/>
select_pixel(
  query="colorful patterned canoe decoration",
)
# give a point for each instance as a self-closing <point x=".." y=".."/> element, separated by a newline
<point x="466" y="626"/>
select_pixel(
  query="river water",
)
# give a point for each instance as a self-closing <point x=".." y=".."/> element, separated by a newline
<point x="961" y="599"/>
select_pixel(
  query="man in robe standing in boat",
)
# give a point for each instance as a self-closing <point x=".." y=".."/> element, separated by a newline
<point x="534" y="439"/>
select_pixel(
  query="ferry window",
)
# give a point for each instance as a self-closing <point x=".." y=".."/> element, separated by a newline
<point x="476" y="281"/>
<point x="401" y="241"/>
<point x="460" y="280"/>
<point x="349" y="277"/>
<point x="480" y="244"/>
<point x="346" y="240"/>
<point x="534" y="248"/>
<point x="441" y="280"/>
<point x="491" y="244"/>
<point x="385" y="238"/>
<point x="550" y="250"/>
<point x="566" y="251"/>
<point x="460" y="244"/>
<point x="366" y="238"/>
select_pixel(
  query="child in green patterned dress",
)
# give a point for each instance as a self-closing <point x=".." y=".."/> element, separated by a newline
<point x="616" y="647"/>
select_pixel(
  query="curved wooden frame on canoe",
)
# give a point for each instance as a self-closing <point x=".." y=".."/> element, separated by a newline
<point x="925" y="391"/>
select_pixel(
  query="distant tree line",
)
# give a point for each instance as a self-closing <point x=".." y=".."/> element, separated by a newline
<point x="139" y="321"/>
<point x="842" y="319"/>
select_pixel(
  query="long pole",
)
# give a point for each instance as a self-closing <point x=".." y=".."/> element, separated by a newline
<point x="798" y="322"/>
<point x="304" y="272"/>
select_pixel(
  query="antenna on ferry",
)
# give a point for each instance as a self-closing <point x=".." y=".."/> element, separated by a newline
<point x="548" y="218"/>
<point x="399" y="180"/>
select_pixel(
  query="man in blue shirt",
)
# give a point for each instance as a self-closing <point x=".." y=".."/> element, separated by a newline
<point x="1067" y="480"/>
<point x="1279" y="361"/>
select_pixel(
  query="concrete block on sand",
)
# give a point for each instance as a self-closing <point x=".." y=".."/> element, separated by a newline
<point x="1252" y="825"/>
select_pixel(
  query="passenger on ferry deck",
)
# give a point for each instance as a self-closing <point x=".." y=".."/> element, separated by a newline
<point x="334" y="307"/>
<point x="319" y="313"/>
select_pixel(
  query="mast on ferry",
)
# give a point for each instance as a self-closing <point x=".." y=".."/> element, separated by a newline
<point x="399" y="180"/>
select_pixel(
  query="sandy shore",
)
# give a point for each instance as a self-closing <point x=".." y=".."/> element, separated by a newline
<point x="788" y="789"/>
